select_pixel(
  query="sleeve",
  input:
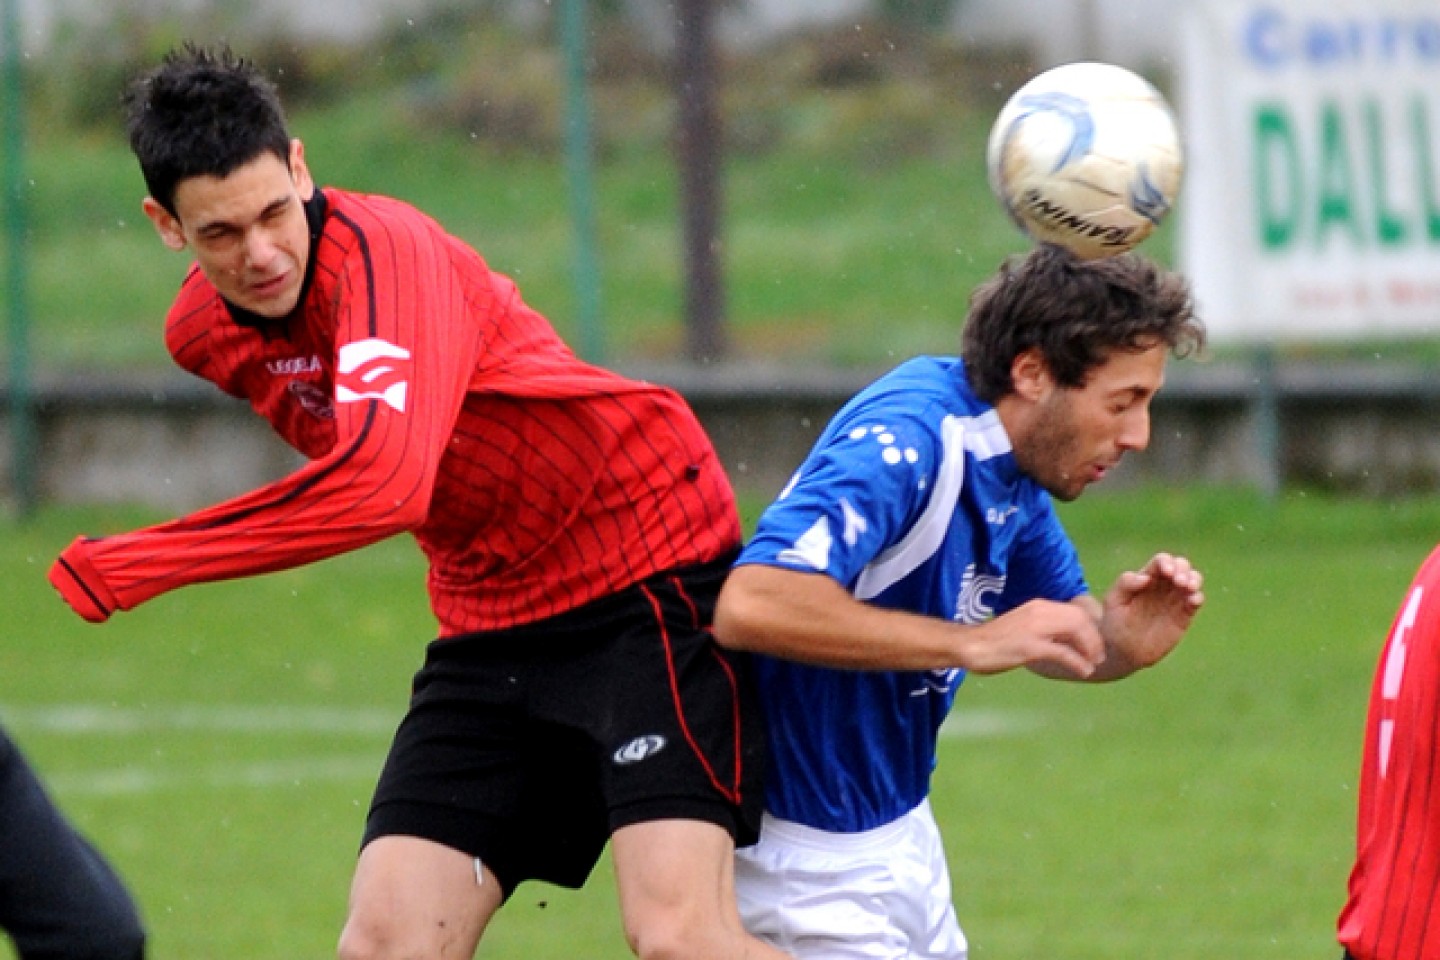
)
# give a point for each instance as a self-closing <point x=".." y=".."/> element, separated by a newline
<point x="856" y="494"/>
<point x="406" y="347"/>
<point x="1045" y="562"/>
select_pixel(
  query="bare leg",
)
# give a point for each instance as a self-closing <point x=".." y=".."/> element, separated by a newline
<point x="677" y="893"/>
<point x="416" y="898"/>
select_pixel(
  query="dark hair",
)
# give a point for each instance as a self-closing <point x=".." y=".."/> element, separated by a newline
<point x="1077" y="312"/>
<point x="202" y="112"/>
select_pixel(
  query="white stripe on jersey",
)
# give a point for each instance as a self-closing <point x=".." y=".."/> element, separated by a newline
<point x="985" y="437"/>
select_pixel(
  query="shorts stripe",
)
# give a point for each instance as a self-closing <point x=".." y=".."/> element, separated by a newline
<point x="728" y="792"/>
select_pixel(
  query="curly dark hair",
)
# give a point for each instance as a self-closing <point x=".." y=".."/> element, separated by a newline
<point x="1077" y="312"/>
<point x="201" y="112"/>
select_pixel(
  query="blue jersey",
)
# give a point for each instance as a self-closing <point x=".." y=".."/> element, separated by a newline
<point x="911" y="499"/>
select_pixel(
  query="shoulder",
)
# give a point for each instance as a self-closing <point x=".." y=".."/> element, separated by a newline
<point x="378" y="230"/>
<point x="192" y="315"/>
<point x="367" y="213"/>
<point x="927" y="402"/>
<point x="927" y="387"/>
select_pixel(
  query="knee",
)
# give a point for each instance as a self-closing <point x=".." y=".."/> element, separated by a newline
<point x="359" y="942"/>
<point x="362" y="940"/>
<point x="666" y="940"/>
<point x="651" y="944"/>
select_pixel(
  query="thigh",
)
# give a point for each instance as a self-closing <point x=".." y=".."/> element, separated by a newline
<point x="412" y="897"/>
<point x="676" y="884"/>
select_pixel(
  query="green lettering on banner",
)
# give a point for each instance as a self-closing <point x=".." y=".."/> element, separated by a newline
<point x="1335" y="203"/>
<point x="1425" y="164"/>
<point x="1391" y="229"/>
<point x="1279" y="189"/>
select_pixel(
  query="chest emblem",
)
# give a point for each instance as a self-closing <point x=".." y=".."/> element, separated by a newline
<point x="975" y="603"/>
<point x="373" y="369"/>
<point x="313" y="398"/>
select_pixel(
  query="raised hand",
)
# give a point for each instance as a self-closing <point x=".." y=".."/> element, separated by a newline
<point x="1147" y="611"/>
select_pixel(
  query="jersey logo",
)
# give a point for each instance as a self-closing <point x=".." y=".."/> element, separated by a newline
<point x="997" y="516"/>
<point x="312" y="399"/>
<point x="971" y="606"/>
<point x="373" y="370"/>
<point x="641" y="748"/>
<point x="294" y="366"/>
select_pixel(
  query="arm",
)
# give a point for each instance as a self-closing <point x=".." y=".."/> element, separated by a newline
<point x="811" y="618"/>
<point x="1142" y="618"/>
<point x="401" y="312"/>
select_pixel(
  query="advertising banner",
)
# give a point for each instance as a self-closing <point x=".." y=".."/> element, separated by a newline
<point x="1311" y="207"/>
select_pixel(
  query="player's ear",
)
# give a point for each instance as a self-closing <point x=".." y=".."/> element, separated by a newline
<point x="300" y="171"/>
<point x="165" y="223"/>
<point x="1030" y="374"/>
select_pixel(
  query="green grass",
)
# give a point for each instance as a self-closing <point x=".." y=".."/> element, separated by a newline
<point x="1204" y="808"/>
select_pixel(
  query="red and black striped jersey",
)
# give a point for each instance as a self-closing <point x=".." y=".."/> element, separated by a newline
<point x="1393" y="910"/>
<point x="428" y="397"/>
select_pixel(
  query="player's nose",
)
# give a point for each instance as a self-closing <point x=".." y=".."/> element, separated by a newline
<point x="1135" y="429"/>
<point x="260" y="248"/>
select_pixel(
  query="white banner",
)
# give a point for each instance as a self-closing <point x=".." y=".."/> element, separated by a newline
<point x="1311" y="207"/>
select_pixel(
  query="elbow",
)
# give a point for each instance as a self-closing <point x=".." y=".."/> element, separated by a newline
<point x="731" y="626"/>
<point x="411" y="512"/>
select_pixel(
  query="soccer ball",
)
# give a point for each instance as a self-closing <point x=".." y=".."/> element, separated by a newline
<point x="1088" y="156"/>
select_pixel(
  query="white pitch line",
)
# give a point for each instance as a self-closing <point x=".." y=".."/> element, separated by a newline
<point x="988" y="724"/>
<point x="92" y="719"/>
<point x="83" y="719"/>
<point x="79" y="719"/>
<point x="298" y="772"/>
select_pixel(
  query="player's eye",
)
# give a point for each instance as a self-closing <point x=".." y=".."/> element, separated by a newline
<point x="218" y="237"/>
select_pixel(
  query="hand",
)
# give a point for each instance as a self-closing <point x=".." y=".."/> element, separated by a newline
<point x="81" y="585"/>
<point x="1054" y="639"/>
<point x="1147" y="612"/>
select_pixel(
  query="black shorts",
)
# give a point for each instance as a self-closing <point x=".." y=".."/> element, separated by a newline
<point x="528" y="747"/>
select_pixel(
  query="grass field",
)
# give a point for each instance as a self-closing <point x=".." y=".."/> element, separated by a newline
<point x="220" y="744"/>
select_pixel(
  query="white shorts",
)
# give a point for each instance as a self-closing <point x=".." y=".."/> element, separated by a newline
<point x="884" y="893"/>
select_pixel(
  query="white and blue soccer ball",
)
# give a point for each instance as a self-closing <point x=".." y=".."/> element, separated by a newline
<point x="1088" y="156"/>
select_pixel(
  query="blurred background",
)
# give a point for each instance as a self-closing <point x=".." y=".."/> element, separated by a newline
<point x="764" y="204"/>
<point x="761" y="203"/>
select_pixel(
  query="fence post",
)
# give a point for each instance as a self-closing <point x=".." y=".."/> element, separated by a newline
<point x="12" y="144"/>
<point x="1266" y="414"/>
<point x="578" y="154"/>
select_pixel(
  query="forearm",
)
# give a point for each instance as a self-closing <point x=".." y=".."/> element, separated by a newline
<point x="810" y="618"/>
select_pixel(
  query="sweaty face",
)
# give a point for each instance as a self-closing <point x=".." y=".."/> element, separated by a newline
<point x="1077" y="436"/>
<point x="247" y="230"/>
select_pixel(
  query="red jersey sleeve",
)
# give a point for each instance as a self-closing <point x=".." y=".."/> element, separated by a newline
<point x="396" y="320"/>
